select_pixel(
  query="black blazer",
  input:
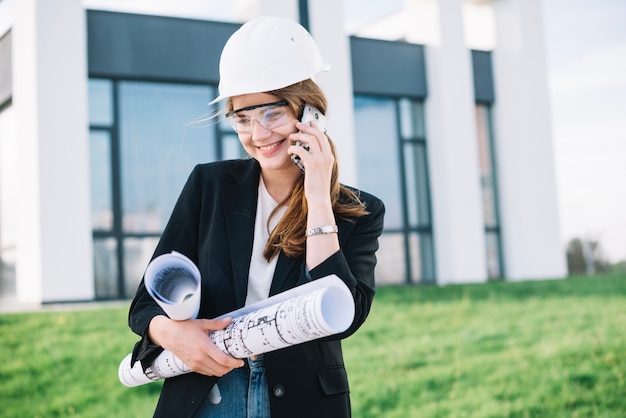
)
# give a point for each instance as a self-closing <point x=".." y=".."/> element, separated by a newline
<point x="213" y="224"/>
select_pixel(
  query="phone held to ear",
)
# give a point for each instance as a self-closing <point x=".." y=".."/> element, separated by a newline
<point x="310" y="113"/>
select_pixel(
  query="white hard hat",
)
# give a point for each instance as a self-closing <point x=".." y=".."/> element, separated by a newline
<point x="265" y="54"/>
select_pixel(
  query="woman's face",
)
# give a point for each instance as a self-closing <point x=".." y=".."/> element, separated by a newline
<point x="264" y="130"/>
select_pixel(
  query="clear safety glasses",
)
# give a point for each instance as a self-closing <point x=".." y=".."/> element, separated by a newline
<point x="268" y="115"/>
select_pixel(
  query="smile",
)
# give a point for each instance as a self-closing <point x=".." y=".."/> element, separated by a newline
<point x="270" y="146"/>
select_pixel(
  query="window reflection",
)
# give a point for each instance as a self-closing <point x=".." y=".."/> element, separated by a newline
<point x="8" y="199"/>
<point x="159" y="146"/>
<point x="489" y="191"/>
<point x="377" y="154"/>
<point x="487" y="178"/>
<point x="105" y="268"/>
<point x="100" y="173"/>
<point x="100" y="102"/>
<point x="139" y="164"/>
<point x="137" y="254"/>
<point x="231" y="147"/>
<point x="412" y="119"/>
<point x="390" y="259"/>
<point x="392" y="164"/>
<point x="494" y="269"/>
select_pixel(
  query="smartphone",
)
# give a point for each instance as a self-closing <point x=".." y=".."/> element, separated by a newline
<point x="310" y="113"/>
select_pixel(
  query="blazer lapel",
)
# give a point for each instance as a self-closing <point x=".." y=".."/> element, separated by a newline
<point x="285" y="268"/>
<point x="240" y="199"/>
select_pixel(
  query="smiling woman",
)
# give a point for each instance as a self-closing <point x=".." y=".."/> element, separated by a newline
<point x="256" y="227"/>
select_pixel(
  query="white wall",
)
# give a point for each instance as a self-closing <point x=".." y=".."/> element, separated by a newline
<point x="453" y="157"/>
<point x="6" y="15"/>
<point x="524" y="149"/>
<point x="54" y="248"/>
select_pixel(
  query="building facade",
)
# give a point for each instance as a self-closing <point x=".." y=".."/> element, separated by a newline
<point x="102" y="117"/>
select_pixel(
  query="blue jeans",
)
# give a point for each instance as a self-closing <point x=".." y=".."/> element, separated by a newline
<point x="244" y="394"/>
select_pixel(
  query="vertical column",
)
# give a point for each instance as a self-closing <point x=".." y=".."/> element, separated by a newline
<point x="525" y="157"/>
<point x="453" y="158"/>
<point x="54" y="248"/>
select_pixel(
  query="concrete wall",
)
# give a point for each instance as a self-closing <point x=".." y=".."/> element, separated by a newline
<point x="524" y="150"/>
<point x="453" y="156"/>
<point x="54" y="246"/>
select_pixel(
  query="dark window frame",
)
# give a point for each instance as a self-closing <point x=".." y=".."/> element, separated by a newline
<point x="117" y="232"/>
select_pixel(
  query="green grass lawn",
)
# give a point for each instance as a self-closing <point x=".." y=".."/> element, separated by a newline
<point x="535" y="349"/>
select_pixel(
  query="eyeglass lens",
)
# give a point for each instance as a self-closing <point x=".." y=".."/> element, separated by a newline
<point x="270" y="117"/>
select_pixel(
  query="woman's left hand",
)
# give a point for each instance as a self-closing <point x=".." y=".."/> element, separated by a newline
<point x="318" y="160"/>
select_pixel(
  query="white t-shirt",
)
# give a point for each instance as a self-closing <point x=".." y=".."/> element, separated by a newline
<point x="261" y="271"/>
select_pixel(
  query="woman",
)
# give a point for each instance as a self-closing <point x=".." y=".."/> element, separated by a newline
<point x="257" y="227"/>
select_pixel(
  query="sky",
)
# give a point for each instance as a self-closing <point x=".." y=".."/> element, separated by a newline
<point x="585" y="45"/>
<point x="586" y="59"/>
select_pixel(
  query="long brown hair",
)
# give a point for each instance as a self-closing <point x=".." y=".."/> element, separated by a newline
<point x="288" y="236"/>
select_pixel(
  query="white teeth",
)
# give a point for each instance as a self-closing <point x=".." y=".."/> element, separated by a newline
<point x="270" y="146"/>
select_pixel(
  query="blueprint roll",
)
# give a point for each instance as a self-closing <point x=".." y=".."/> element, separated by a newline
<point x="173" y="281"/>
<point x="164" y="366"/>
<point x="314" y="310"/>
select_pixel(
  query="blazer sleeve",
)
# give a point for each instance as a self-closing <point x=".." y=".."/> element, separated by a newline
<point x="354" y="263"/>
<point x="180" y="234"/>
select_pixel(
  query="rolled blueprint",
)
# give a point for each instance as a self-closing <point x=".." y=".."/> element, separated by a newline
<point x="314" y="310"/>
<point x="316" y="314"/>
<point x="173" y="281"/>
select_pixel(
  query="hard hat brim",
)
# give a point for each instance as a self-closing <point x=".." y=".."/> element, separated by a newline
<point x="226" y="95"/>
<point x="217" y="100"/>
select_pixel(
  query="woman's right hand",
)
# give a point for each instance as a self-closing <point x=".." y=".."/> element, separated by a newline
<point x="189" y="340"/>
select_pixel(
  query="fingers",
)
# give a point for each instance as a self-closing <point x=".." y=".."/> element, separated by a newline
<point x="215" y="324"/>
<point x="312" y="136"/>
<point x="213" y="362"/>
<point x="219" y="361"/>
<point x="189" y="340"/>
<point x="319" y="154"/>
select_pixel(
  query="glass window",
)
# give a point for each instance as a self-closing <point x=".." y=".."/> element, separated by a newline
<point x="377" y="154"/>
<point x="137" y="254"/>
<point x="417" y="190"/>
<point x="489" y="190"/>
<point x="487" y="178"/>
<point x="392" y="164"/>
<point x="105" y="268"/>
<point x="101" y="190"/>
<point x="145" y="139"/>
<point x="494" y="269"/>
<point x="159" y="146"/>
<point x="100" y="102"/>
<point x="415" y="161"/>
<point x="231" y="147"/>
<point x="391" y="259"/>
<point x="8" y="199"/>
<point x="427" y="247"/>
<point x="412" y="119"/>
